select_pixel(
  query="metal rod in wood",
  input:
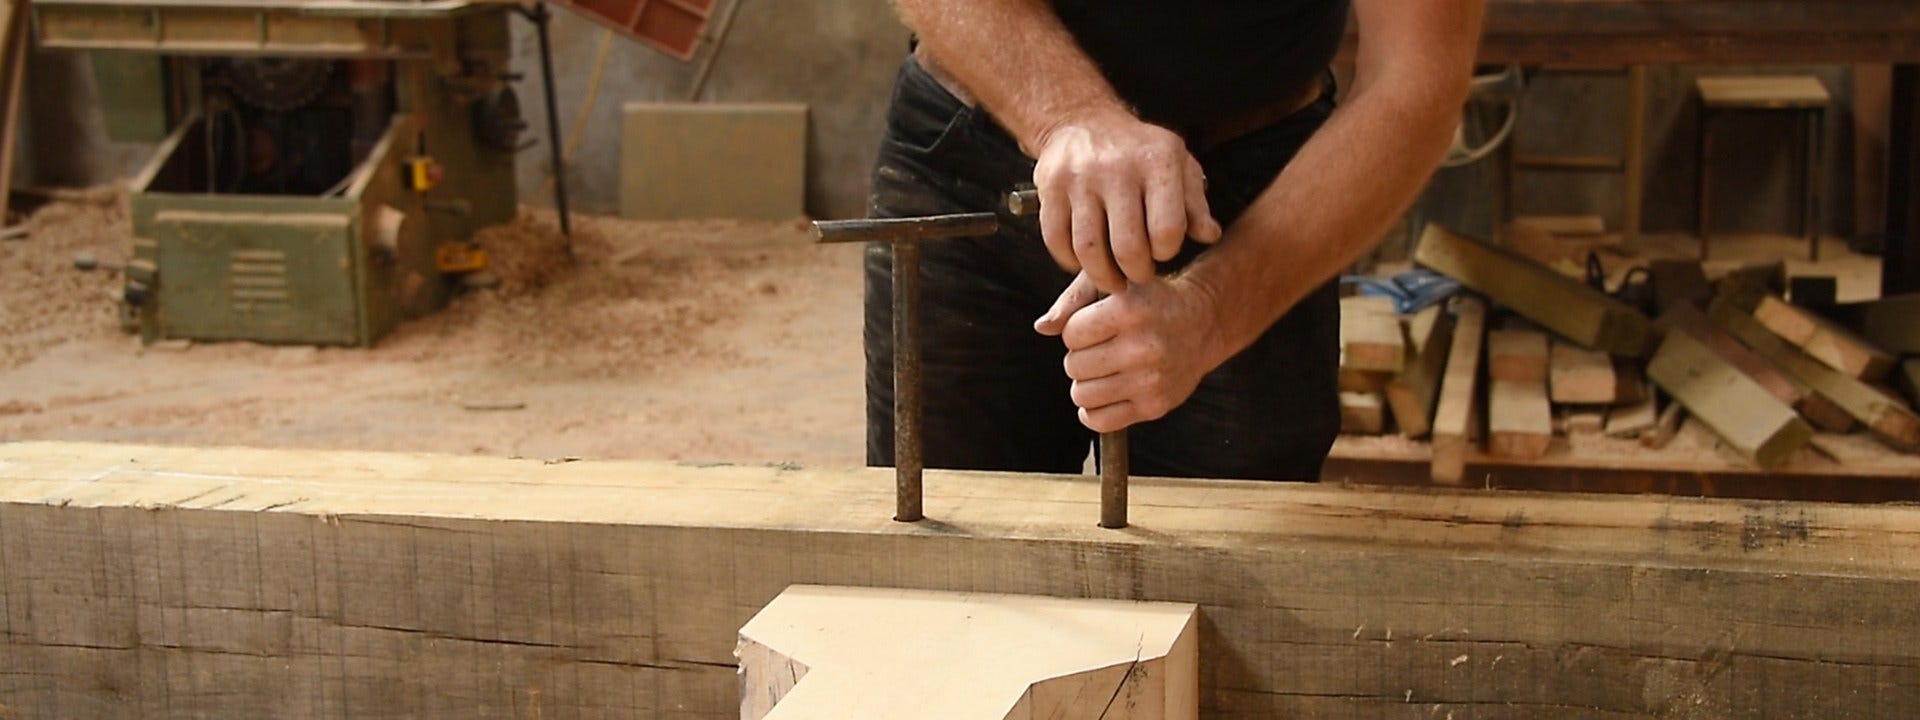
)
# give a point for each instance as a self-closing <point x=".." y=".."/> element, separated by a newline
<point x="907" y="460"/>
<point x="906" y="230"/>
<point x="1113" y="479"/>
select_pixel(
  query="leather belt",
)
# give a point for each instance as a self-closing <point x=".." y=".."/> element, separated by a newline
<point x="1200" y="137"/>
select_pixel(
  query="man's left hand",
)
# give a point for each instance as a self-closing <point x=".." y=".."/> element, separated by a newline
<point x="1134" y="356"/>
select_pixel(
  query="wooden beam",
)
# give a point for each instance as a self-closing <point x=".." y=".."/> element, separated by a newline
<point x="1578" y="376"/>
<point x="1887" y="417"/>
<point x="1363" y="381"/>
<point x="1458" y="409"/>
<point x="1892" y="322"/>
<point x="1411" y="394"/>
<point x="1819" y="410"/>
<point x="149" y="581"/>
<point x="1519" y="419"/>
<point x="1517" y="355"/>
<point x="1363" y="413"/>
<point x="1556" y="302"/>
<point x="1370" y="336"/>
<point x="1823" y="339"/>
<point x="1753" y="423"/>
<point x="854" y="652"/>
<point x="1632" y="419"/>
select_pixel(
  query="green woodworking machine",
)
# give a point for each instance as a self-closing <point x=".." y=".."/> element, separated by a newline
<point x="323" y="165"/>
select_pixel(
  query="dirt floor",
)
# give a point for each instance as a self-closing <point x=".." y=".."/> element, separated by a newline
<point x="700" y="342"/>
<point x="703" y="342"/>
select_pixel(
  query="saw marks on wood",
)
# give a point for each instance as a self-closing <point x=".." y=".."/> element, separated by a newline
<point x="820" y="653"/>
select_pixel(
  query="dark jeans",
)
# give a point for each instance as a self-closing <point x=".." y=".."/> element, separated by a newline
<point x="996" y="395"/>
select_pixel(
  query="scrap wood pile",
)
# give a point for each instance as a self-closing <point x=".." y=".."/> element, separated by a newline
<point x="1532" y="353"/>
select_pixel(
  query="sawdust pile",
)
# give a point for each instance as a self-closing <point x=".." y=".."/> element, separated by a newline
<point x="44" y="300"/>
<point x="632" y="296"/>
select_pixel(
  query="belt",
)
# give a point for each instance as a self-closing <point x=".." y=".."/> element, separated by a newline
<point x="1201" y="136"/>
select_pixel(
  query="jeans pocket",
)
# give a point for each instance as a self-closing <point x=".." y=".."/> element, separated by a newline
<point x="925" y="120"/>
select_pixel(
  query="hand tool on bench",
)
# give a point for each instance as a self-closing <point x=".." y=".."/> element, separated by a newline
<point x="1113" y="445"/>
<point x="905" y="234"/>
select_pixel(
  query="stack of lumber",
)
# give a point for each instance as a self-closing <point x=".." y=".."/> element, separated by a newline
<point x="1540" y="354"/>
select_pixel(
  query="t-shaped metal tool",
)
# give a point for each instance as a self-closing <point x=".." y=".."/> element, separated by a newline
<point x="905" y="234"/>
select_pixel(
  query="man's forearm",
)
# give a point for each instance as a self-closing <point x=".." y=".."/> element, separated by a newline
<point x="1034" y="79"/>
<point x="1347" y="184"/>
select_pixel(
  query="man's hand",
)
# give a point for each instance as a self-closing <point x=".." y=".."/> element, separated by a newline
<point x="1116" y="195"/>
<point x="1134" y="356"/>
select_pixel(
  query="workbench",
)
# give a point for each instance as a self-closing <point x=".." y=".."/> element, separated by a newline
<point x="190" y="582"/>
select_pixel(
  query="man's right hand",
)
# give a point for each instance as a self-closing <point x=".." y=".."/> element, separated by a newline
<point x="1116" y="195"/>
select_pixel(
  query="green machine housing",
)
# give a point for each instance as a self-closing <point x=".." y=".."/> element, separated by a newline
<point x="218" y="256"/>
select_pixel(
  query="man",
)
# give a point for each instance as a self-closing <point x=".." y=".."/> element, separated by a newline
<point x="1193" y="170"/>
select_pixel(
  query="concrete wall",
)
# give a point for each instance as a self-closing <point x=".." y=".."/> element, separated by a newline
<point x="838" y="56"/>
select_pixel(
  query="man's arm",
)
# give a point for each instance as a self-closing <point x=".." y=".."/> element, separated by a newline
<point x="1115" y="193"/>
<point x="1137" y="355"/>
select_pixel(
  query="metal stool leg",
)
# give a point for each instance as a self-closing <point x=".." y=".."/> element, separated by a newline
<point x="1816" y="122"/>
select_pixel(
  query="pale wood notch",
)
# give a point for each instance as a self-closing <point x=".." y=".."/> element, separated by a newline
<point x="848" y="652"/>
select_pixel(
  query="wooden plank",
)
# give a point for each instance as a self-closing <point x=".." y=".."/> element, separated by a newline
<point x="1457" y="409"/>
<point x="1753" y="423"/>
<point x="1630" y="420"/>
<point x="846" y="652"/>
<point x="1364" y="381"/>
<point x="1411" y="394"/>
<point x="1519" y="418"/>
<point x="1886" y="417"/>
<point x="1578" y="376"/>
<point x="268" y="583"/>
<point x="1890" y="322"/>
<point x="1517" y="355"/>
<point x="1363" y="413"/>
<point x="1818" y="409"/>
<point x="1665" y="428"/>
<point x="1823" y="340"/>
<point x="1558" y="303"/>
<point x="1370" y="336"/>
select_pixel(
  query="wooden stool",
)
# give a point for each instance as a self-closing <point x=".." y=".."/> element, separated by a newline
<point x="1802" y="95"/>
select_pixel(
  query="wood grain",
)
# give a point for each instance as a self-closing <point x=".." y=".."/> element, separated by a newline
<point x="1457" y="410"/>
<point x="147" y="581"/>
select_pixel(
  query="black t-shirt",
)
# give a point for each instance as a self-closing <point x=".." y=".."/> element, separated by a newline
<point x="1187" y="62"/>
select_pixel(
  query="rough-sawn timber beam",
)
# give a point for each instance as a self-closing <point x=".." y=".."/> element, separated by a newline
<point x="142" y="581"/>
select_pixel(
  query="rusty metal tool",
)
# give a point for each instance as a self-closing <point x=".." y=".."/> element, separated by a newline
<point x="905" y="234"/>
<point x="1113" y="445"/>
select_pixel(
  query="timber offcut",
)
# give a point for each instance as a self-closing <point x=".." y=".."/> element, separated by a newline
<point x="173" y="582"/>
